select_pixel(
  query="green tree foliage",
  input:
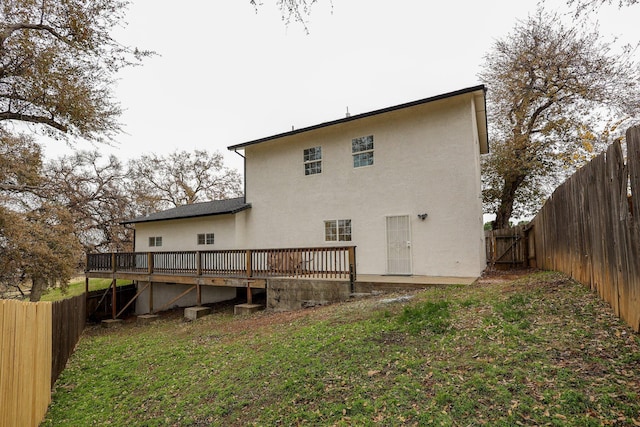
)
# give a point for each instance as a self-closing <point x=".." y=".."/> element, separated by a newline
<point x="37" y="243"/>
<point x="57" y="65"/>
<point x="556" y="94"/>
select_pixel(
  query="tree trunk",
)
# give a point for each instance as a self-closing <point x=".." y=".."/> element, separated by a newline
<point x="37" y="288"/>
<point x="507" y="198"/>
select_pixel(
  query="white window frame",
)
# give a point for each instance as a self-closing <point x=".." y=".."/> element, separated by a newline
<point x="312" y="159"/>
<point x="207" y="238"/>
<point x="338" y="230"/>
<point x="358" y="152"/>
<point x="155" y="241"/>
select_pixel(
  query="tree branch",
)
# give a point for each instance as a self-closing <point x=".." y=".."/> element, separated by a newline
<point x="8" y="115"/>
<point x="10" y="29"/>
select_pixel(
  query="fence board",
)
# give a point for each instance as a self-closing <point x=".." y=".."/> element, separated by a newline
<point x="590" y="229"/>
<point x="25" y="362"/>
<point x="68" y="322"/>
<point x="31" y="334"/>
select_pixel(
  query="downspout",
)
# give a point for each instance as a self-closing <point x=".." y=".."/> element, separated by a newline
<point x="244" y="176"/>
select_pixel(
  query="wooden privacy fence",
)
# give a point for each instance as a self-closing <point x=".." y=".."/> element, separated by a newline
<point x="68" y="321"/>
<point x="507" y="247"/>
<point x="590" y="228"/>
<point x="36" y="341"/>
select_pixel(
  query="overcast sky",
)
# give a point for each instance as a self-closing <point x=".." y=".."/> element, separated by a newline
<point x="227" y="74"/>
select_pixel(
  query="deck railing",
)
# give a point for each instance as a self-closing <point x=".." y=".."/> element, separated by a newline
<point x="327" y="262"/>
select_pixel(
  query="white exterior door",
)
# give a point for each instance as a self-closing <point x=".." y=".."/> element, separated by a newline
<point x="398" y="245"/>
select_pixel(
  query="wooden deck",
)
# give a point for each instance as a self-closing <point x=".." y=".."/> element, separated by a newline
<point x="235" y="267"/>
<point x="238" y="268"/>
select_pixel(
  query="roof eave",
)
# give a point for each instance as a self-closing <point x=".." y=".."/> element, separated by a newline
<point x="228" y="212"/>
<point x="482" y="122"/>
<point x="364" y="115"/>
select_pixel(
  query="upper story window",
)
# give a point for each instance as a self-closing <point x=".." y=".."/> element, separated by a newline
<point x="362" y="150"/>
<point x="337" y="230"/>
<point x="206" y="239"/>
<point x="155" y="241"/>
<point x="312" y="160"/>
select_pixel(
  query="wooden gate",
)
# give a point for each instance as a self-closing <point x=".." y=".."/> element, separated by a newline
<point x="507" y="247"/>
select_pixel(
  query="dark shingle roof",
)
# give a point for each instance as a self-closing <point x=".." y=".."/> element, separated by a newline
<point x="216" y="207"/>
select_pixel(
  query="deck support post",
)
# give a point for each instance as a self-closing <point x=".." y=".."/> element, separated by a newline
<point x="86" y="296"/>
<point x="114" y="299"/>
<point x="249" y="294"/>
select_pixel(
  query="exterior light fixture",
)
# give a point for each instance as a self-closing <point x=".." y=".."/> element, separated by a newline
<point x="422" y="216"/>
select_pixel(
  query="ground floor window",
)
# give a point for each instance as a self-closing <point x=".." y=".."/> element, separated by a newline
<point x="337" y="230"/>
<point x="205" y="239"/>
<point x="155" y="241"/>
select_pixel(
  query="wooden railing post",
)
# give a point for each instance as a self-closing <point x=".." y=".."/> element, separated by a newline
<point x="248" y="266"/>
<point x="150" y="262"/>
<point x="198" y="263"/>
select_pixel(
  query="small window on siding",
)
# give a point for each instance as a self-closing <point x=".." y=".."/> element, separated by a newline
<point x="206" y="239"/>
<point x="337" y="230"/>
<point x="155" y="241"/>
<point x="312" y="160"/>
<point x="362" y="151"/>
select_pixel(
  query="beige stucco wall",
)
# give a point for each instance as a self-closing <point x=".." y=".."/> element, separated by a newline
<point x="426" y="159"/>
<point x="181" y="235"/>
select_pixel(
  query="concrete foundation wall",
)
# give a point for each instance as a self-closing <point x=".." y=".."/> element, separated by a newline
<point x="165" y="292"/>
<point x="288" y="294"/>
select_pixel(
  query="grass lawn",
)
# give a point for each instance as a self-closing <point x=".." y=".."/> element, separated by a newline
<point x="77" y="287"/>
<point x="534" y="350"/>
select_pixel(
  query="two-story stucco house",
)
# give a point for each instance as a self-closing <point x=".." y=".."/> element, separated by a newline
<point x="402" y="184"/>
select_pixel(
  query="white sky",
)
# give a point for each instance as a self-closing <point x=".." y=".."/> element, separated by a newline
<point x="227" y="75"/>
